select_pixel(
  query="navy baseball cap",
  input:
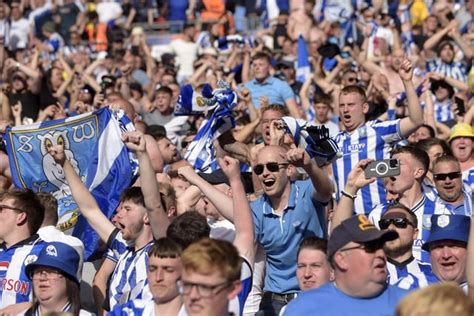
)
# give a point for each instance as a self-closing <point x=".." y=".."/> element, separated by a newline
<point x="59" y="256"/>
<point x="448" y="227"/>
<point x="357" y="229"/>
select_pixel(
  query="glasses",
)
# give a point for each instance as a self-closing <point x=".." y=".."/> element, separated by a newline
<point x="350" y="79"/>
<point x="203" y="290"/>
<point x="450" y="175"/>
<point x="3" y="206"/>
<point x="368" y="247"/>
<point x="39" y="274"/>
<point x="271" y="166"/>
<point x="398" y="222"/>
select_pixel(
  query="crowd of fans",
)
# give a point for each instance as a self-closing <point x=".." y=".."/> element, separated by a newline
<point x="293" y="234"/>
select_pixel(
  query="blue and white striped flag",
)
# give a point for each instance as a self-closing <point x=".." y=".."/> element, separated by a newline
<point x="201" y="153"/>
<point x="93" y="145"/>
<point x="303" y="70"/>
<point x="192" y="103"/>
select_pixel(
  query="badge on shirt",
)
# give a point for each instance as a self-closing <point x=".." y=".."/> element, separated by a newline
<point x="443" y="221"/>
<point x="30" y="259"/>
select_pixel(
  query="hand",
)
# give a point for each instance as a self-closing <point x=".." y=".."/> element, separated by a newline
<point x="254" y="152"/>
<point x="435" y="76"/>
<point x="189" y="174"/>
<point x="4" y="124"/>
<point x="99" y="99"/>
<point x="298" y="157"/>
<point x="264" y="102"/>
<point x="277" y="132"/>
<point x="406" y="70"/>
<point x="230" y="166"/>
<point x="57" y="152"/>
<point x="135" y="141"/>
<point x="17" y="109"/>
<point x="356" y="178"/>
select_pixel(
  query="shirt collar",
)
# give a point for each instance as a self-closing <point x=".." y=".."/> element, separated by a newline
<point x="267" y="209"/>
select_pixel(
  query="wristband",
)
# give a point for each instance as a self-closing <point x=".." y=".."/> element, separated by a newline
<point x="350" y="196"/>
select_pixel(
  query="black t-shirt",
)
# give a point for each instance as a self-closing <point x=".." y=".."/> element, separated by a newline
<point x="29" y="101"/>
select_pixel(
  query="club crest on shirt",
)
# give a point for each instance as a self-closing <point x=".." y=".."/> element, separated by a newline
<point x="427" y="222"/>
<point x="30" y="259"/>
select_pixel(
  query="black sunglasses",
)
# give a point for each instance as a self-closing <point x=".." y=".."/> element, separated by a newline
<point x="450" y="175"/>
<point x="271" y="166"/>
<point x="368" y="247"/>
<point x="399" y="222"/>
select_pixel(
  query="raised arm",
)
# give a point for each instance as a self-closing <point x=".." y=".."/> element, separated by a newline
<point x="243" y="222"/>
<point x="415" y="118"/>
<point x="84" y="199"/>
<point x="355" y="181"/>
<point x="321" y="182"/>
<point x="159" y="221"/>
<point x="221" y="201"/>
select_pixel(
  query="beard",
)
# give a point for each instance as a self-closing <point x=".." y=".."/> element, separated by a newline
<point x="397" y="250"/>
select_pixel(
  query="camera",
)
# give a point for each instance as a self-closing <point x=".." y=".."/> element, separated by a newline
<point x="382" y="168"/>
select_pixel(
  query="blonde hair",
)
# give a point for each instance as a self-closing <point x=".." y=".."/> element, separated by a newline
<point x="208" y="255"/>
<point x="441" y="299"/>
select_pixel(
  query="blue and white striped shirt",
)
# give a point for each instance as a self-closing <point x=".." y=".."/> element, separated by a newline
<point x="409" y="283"/>
<point x="15" y="285"/>
<point x="456" y="70"/>
<point x="411" y="270"/>
<point x="443" y="111"/>
<point x="423" y="210"/>
<point x="129" y="279"/>
<point x="464" y="208"/>
<point x="373" y="140"/>
<point x="468" y="178"/>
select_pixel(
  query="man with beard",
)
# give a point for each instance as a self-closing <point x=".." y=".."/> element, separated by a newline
<point x="400" y="260"/>
<point x="355" y="250"/>
<point x="455" y="196"/>
<point x="139" y="216"/>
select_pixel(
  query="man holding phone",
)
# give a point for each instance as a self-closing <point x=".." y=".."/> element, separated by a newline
<point x="407" y="186"/>
<point x="371" y="139"/>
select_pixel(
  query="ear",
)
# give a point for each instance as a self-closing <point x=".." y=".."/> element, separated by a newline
<point x="290" y="170"/>
<point x="234" y="289"/>
<point x="365" y="107"/>
<point x="146" y="220"/>
<point x="415" y="233"/>
<point x="418" y="173"/>
<point x="172" y="211"/>
<point x="340" y="261"/>
<point x="21" y="219"/>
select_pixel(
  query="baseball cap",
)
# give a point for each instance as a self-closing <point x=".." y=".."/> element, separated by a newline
<point x="357" y="229"/>
<point x="448" y="227"/>
<point x="216" y="177"/>
<point x="461" y="130"/>
<point x="59" y="256"/>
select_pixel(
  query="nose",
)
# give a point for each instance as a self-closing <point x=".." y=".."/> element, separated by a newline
<point x="159" y="275"/>
<point x="446" y="252"/>
<point x="194" y="293"/>
<point x="307" y="272"/>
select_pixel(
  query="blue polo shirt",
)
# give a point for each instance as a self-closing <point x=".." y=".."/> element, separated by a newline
<point x="281" y="236"/>
<point x="329" y="300"/>
<point x="277" y="91"/>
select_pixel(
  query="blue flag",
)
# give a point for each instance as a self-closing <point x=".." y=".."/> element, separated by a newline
<point x="93" y="145"/>
<point x="303" y="71"/>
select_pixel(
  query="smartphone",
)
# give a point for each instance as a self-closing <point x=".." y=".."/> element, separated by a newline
<point x="382" y="168"/>
<point x="460" y="104"/>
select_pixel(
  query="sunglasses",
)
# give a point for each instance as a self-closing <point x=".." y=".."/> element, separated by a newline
<point x="271" y="166"/>
<point x="450" y="175"/>
<point x="399" y="222"/>
<point x="368" y="247"/>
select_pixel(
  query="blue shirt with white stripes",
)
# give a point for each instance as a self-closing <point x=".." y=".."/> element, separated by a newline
<point x="464" y="208"/>
<point x="373" y="140"/>
<point x="15" y="285"/>
<point x="423" y="210"/>
<point x="129" y="278"/>
<point x="409" y="270"/>
<point x="455" y="70"/>
<point x="443" y="111"/>
<point x="468" y="178"/>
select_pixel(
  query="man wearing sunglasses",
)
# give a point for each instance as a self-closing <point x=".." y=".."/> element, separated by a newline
<point x="452" y="194"/>
<point x="355" y="250"/>
<point x="400" y="260"/>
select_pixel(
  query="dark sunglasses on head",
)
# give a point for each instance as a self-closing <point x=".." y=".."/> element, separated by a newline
<point x="399" y="222"/>
<point x="450" y="175"/>
<point x="271" y="166"/>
